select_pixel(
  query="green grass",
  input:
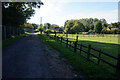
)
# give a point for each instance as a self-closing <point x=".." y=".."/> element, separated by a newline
<point x="80" y="64"/>
<point x="97" y="38"/>
<point x="98" y="43"/>
<point x="12" y="39"/>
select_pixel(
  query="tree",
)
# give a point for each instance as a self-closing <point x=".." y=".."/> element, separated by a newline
<point x="28" y="25"/>
<point x="68" y="25"/>
<point x="47" y="25"/>
<point x="53" y="26"/>
<point x="103" y="30"/>
<point x="114" y="31"/>
<point x="35" y="26"/>
<point x="17" y="13"/>
<point x="74" y="26"/>
<point x="41" y="29"/>
<point x="98" y="27"/>
<point x="78" y="27"/>
<point x="90" y="31"/>
<point x="118" y="25"/>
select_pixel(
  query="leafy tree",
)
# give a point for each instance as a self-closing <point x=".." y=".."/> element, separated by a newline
<point x="98" y="27"/>
<point x="17" y="13"/>
<point x="47" y="25"/>
<point x="91" y="26"/>
<point x="74" y="26"/>
<point x="68" y="25"/>
<point x="90" y="31"/>
<point x="53" y="26"/>
<point x="35" y="26"/>
<point x="41" y="29"/>
<point x="78" y="27"/>
<point x="28" y="25"/>
<point x="118" y="25"/>
<point x="115" y="31"/>
<point x="103" y="30"/>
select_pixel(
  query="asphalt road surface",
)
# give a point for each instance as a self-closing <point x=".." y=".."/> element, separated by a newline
<point x="29" y="58"/>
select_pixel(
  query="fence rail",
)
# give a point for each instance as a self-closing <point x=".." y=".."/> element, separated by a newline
<point x="74" y="45"/>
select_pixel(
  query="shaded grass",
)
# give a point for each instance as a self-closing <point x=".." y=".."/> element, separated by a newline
<point x="12" y="39"/>
<point x="81" y="65"/>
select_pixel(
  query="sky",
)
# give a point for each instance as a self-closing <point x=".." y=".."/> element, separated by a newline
<point x="58" y="11"/>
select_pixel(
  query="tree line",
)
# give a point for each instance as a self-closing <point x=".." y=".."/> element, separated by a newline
<point x="18" y="13"/>
<point x="91" y="25"/>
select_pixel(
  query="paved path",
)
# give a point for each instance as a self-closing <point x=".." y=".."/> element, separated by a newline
<point x="29" y="58"/>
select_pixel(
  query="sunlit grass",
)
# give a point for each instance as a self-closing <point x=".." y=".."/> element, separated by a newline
<point x="97" y="38"/>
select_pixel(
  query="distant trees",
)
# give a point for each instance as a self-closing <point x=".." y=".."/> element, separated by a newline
<point x="47" y="25"/>
<point x="98" y="27"/>
<point x="41" y="29"/>
<point x="28" y="25"/>
<point x="73" y="26"/>
<point x="54" y="25"/>
<point x="17" y="13"/>
<point x="35" y="26"/>
<point x="91" y="25"/>
<point x="103" y="30"/>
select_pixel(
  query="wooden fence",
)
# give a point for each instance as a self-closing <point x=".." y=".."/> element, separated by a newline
<point x="8" y="31"/>
<point x="74" y="45"/>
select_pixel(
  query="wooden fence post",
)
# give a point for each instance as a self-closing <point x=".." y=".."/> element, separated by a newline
<point x="89" y="47"/>
<point x="55" y="33"/>
<point x="80" y="48"/>
<point x="58" y="39"/>
<point x="76" y="38"/>
<point x="118" y="66"/>
<point x="99" y="57"/>
<point x="75" y="46"/>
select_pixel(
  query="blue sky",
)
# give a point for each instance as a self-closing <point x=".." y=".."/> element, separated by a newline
<point x="90" y="6"/>
<point x="57" y="12"/>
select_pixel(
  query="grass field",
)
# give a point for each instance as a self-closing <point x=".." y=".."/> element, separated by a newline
<point x="97" y="38"/>
<point x="78" y="63"/>
<point x="108" y="44"/>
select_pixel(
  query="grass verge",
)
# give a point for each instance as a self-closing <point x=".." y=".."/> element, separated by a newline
<point x="81" y="65"/>
<point x="12" y="39"/>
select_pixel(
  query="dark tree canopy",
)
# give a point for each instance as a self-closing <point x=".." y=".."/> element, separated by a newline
<point x="73" y="26"/>
<point x="83" y="25"/>
<point x="47" y="25"/>
<point x="17" y="13"/>
<point x="98" y="27"/>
